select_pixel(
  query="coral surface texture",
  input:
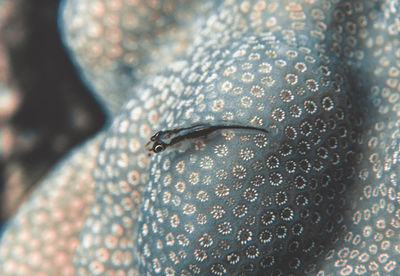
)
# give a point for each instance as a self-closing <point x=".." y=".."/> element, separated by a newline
<point x="300" y="174"/>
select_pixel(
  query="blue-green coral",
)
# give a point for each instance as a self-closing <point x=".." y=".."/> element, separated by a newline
<point x="318" y="195"/>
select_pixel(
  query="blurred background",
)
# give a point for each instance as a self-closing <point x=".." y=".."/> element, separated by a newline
<point x="45" y="110"/>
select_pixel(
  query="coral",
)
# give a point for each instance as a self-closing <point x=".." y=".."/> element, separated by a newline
<point x="44" y="108"/>
<point x="316" y="195"/>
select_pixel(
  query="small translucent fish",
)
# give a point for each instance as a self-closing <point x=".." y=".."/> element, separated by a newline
<point x="165" y="138"/>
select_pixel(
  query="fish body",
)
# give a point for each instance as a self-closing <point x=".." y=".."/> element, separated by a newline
<point x="162" y="139"/>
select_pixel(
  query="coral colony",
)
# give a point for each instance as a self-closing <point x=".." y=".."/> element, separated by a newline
<point x="315" y="193"/>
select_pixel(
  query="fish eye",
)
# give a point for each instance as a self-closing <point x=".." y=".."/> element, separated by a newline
<point x="158" y="147"/>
